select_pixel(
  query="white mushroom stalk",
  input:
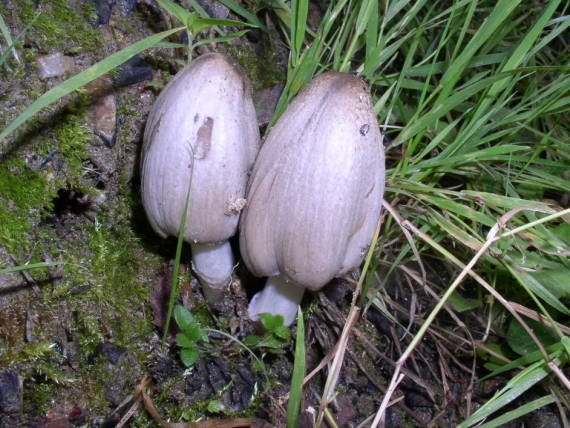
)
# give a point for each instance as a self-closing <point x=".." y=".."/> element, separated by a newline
<point x="201" y="133"/>
<point x="315" y="194"/>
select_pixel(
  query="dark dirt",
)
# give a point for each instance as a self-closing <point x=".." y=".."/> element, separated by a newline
<point x="77" y="339"/>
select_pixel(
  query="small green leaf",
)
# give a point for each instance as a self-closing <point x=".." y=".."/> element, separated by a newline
<point x="183" y="317"/>
<point x="461" y="304"/>
<point x="194" y="332"/>
<point x="519" y="340"/>
<point x="251" y="340"/>
<point x="566" y="344"/>
<point x="223" y="39"/>
<point x="189" y="356"/>
<point x="270" y="321"/>
<point x="271" y="342"/>
<point x="562" y="232"/>
<point x="184" y="341"/>
<point x="282" y="332"/>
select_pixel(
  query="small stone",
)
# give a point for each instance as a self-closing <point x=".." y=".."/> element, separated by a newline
<point x="265" y="102"/>
<point x="215" y="9"/>
<point x="104" y="8"/>
<point x="110" y="351"/>
<point x="100" y="87"/>
<point x="10" y="398"/>
<point x="127" y="6"/>
<point x="133" y="71"/>
<point x="102" y="118"/>
<point x="54" y="65"/>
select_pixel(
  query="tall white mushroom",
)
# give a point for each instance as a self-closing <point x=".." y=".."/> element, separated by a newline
<point x="315" y="194"/>
<point x="202" y="130"/>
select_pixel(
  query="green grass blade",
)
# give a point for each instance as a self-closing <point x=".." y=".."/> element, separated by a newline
<point x="8" y="37"/>
<point x="445" y="106"/>
<point x="244" y="13"/>
<point x="30" y="266"/>
<point x="520" y="411"/>
<point x="81" y="79"/>
<point x="533" y="357"/>
<point x="175" y="10"/>
<point x="514" y="389"/>
<point x="299" y="11"/>
<point x="532" y="284"/>
<point x="296" y="390"/>
<point x="12" y="44"/>
<point x="500" y="14"/>
<point x="223" y="39"/>
<point x="366" y="11"/>
<point x="199" y="9"/>
<point x="518" y="55"/>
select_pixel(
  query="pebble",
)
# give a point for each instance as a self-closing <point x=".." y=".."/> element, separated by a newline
<point x="10" y="398"/>
<point x="127" y="6"/>
<point x="104" y="8"/>
<point x="133" y="71"/>
<point x="54" y="65"/>
<point x="265" y="102"/>
<point x="109" y="350"/>
<point x="215" y="9"/>
<point x="102" y="118"/>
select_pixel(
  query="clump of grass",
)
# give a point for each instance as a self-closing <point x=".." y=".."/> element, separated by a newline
<point x="470" y="91"/>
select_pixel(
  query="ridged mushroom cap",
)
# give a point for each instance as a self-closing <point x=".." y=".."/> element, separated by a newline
<point x="201" y="128"/>
<point x="315" y="193"/>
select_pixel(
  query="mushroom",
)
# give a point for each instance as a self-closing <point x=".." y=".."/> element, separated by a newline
<point x="201" y="137"/>
<point x="315" y="193"/>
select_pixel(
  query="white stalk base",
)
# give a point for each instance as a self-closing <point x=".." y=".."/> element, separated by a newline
<point x="213" y="264"/>
<point x="279" y="297"/>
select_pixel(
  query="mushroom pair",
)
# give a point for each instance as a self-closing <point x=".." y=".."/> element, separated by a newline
<point x="314" y="196"/>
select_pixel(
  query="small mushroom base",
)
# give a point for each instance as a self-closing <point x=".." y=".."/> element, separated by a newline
<point x="279" y="297"/>
<point x="213" y="264"/>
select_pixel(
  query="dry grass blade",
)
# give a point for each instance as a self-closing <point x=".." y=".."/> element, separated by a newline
<point x="408" y="235"/>
<point x="334" y="372"/>
<point x="537" y="316"/>
<point x="136" y="398"/>
<point x="380" y="415"/>
<point x="492" y="237"/>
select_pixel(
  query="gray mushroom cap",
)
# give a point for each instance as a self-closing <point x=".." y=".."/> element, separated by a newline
<point x="202" y="132"/>
<point x="315" y="193"/>
<point x="202" y="129"/>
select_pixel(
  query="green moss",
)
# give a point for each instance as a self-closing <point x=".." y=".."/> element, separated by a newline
<point x="27" y="194"/>
<point x="110" y="264"/>
<point x="24" y="194"/>
<point x="60" y="27"/>
<point x="259" y="64"/>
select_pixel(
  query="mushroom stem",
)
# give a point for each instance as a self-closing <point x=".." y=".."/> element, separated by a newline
<point x="279" y="297"/>
<point x="213" y="264"/>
